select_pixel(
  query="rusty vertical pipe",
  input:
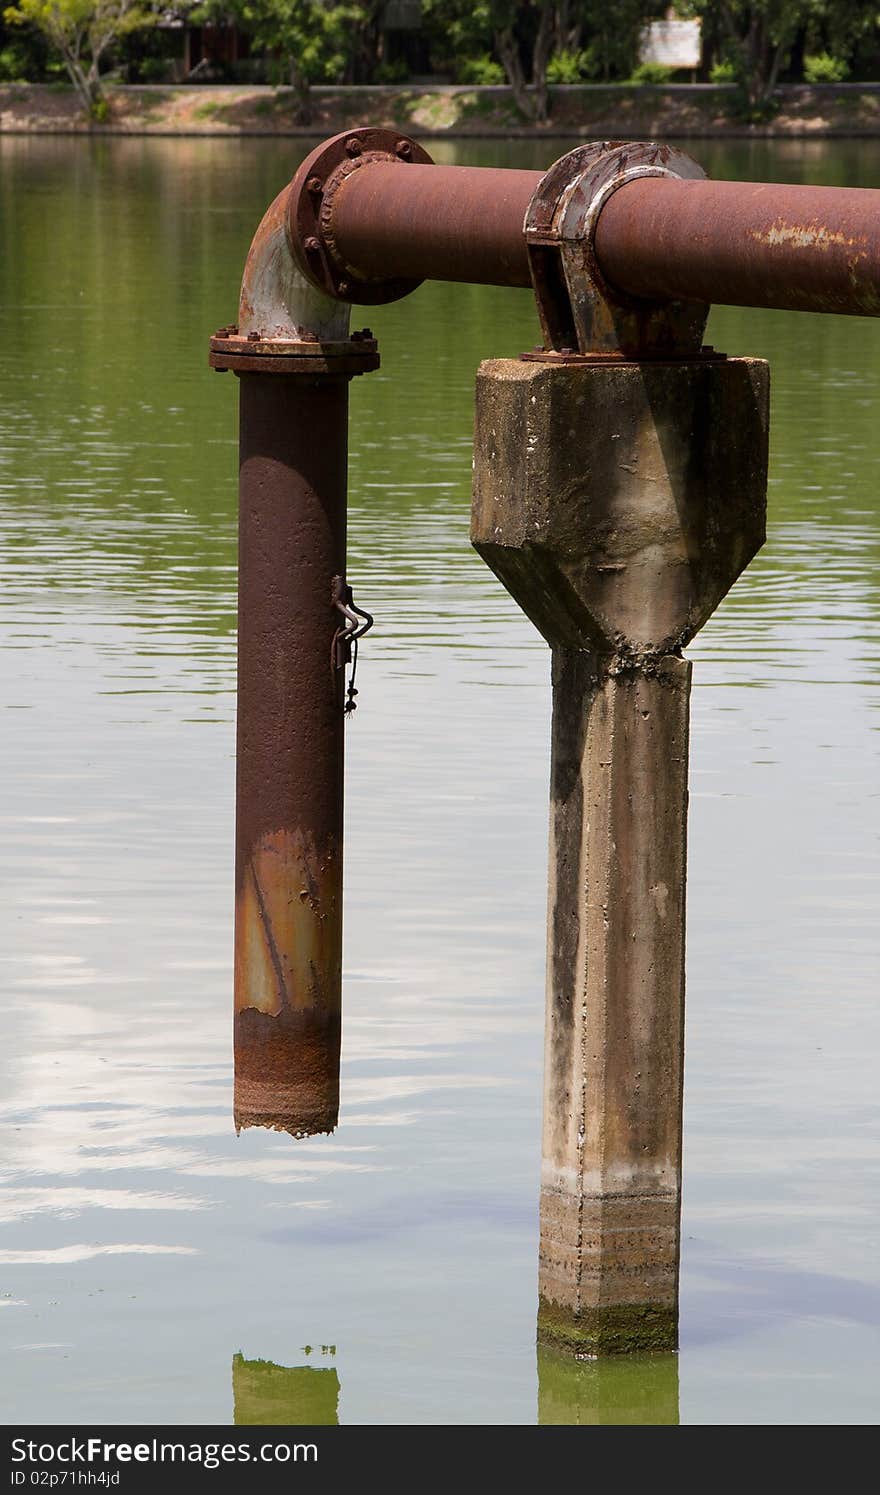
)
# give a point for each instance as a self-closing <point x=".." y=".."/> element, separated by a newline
<point x="294" y="359"/>
<point x="288" y="917"/>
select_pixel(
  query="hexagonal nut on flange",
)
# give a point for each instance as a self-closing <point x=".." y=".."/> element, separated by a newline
<point x="310" y="211"/>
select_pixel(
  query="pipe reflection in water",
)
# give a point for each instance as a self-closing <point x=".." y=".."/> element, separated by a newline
<point x="618" y="1390"/>
<point x="269" y="1395"/>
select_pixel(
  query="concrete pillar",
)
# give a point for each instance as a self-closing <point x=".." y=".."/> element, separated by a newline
<point x="618" y="503"/>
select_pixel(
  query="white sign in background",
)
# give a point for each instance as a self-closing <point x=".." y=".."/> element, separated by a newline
<point x="672" y="43"/>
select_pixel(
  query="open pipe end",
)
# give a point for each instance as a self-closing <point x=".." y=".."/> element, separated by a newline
<point x="287" y="1071"/>
<point x="288" y="972"/>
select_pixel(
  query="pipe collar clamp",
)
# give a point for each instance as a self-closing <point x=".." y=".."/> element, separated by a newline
<point x="581" y="313"/>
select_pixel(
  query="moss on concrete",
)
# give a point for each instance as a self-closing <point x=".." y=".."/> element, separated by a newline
<point x="623" y="1329"/>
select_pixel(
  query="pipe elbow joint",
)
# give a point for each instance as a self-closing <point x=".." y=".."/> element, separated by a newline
<point x="276" y="300"/>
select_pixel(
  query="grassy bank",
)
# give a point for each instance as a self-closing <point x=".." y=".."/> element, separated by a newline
<point x="591" y="111"/>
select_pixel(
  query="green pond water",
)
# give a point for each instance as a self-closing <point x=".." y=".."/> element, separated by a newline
<point x="152" y="1266"/>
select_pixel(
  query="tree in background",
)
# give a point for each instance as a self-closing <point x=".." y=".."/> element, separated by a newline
<point x="460" y="39"/>
<point x="524" y="33"/>
<point x="536" y="41"/>
<point x="366" y="41"/>
<point x="603" y="35"/>
<point x="518" y="33"/>
<point x="313" y="39"/>
<point x="527" y="43"/>
<point x="83" y="32"/>
<point x="756" y="37"/>
<point x="835" y="30"/>
<point x="24" y="52"/>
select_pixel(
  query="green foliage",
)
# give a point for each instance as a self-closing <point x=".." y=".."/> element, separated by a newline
<point x="392" y="72"/>
<point x="82" y="32"/>
<point x="458" y="33"/>
<point x="313" y="39"/>
<point x="530" y="44"/>
<point x="613" y="29"/>
<point x="838" y="26"/>
<point x="754" y="40"/>
<point x="13" y="63"/>
<point x="823" y="68"/>
<point x="570" y="67"/>
<point x="28" y="56"/>
<point x="655" y="73"/>
<point x="311" y="35"/>
<point x="482" y="70"/>
<point x="723" y="72"/>
<point x="154" y="69"/>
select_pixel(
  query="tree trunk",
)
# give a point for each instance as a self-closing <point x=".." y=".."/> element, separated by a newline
<point x="562" y="27"/>
<point x="756" y="61"/>
<point x="508" y="51"/>
<point x="88" y="88"/>
<point x="302" y="94"/>
<point x="541" y="54"/>
<point x="778" y="56"/>
<point x="763" y="59"/>
<point x="93" y="82"/>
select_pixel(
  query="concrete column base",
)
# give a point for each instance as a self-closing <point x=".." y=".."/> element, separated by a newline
<point x="610" y="1184"/>
<point x="618" y="503"/>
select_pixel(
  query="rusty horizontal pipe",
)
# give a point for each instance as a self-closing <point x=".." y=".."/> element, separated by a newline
<point x="799" y="248"/>
<point x="435" y="223"/>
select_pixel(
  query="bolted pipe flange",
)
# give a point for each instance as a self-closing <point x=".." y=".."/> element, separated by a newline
<point x="310" y="228"/>
<point x="581" y="313"/>
<point x="309" y="357"/>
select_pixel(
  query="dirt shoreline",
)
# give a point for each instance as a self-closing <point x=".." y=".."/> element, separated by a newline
<point x="590" y="111"/>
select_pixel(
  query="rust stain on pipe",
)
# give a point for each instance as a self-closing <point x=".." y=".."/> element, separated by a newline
<point x="288" y="946"/>
<point x="287" y="978"/>
<point x="796" y="248"/>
